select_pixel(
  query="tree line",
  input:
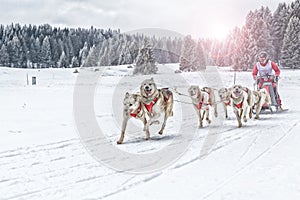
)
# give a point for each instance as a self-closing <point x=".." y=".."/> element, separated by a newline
<point x="278" y="33"/>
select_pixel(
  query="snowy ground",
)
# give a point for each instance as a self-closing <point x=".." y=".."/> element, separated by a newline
<point x="42" y="155"/>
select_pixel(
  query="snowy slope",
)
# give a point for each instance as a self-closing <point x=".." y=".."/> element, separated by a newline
<point x="42" y="155"/>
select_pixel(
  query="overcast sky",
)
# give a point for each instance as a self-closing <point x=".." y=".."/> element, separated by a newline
<point x="201" y="18"/>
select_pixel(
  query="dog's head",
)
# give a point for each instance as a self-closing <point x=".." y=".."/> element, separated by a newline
<point x="223" y="93"/>
<point x="237" y="91"/>
<point x="194" y="91"/>
<point x="131" y="102"/>
<point x="148" y="87"/>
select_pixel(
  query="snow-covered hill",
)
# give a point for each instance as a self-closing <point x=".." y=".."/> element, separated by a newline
<point x="44" y="155"/>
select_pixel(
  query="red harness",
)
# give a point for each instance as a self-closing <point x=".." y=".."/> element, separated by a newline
<point x="136" y="112"/>
<point x="199" y="106"/>
<point x="150" y="105"/>
<point x="241" y="104"/>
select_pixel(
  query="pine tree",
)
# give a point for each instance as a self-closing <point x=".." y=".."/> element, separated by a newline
<point x="45" y="54"/>
<point x="4" y="58"/>
<point x="63" y="60"/>
<point x="200" y="57"/>
<point x="74" y="62"/>
<point x="279" y="25"/>
<point x="187" y="58"/>
<point x="289" y="56"/>
<point x="145" y="61"/>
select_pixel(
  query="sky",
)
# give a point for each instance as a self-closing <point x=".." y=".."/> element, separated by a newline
<point x="200" y="18"/>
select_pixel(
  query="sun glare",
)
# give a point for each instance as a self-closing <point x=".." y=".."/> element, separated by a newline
<point x="219" y="32"/>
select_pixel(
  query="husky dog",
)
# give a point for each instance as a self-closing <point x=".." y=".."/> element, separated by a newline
<point x="261" y="98"/>
<point x="155" y="102"/>
<point x="224" y="94"/>
<point x="132" y="107"/>
<point x="200" y="100"/>
<point x="241" y="102"/>
<point x="211" y="99"/>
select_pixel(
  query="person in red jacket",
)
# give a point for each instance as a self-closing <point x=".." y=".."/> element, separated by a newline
<point x="264" y="68"/>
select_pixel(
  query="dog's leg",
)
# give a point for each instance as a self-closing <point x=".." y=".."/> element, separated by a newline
<point x="250" y="112"/>
<point x="257" y="111"/>
<point x="164" y="124"/>
<point x="124" y="124"/>
<point x="207" y="116"/>
<point x="144" y="122"/>
<point x="225" y="110"/>
<point x="238" y="117"/>
<point x="244" y="114"/>
<point x="200" y="118"/>
<point x="152" y="120"/>
<point x="215" y="109"/>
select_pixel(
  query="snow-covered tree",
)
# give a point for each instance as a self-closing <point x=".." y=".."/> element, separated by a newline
<point x="4" y="58"/>
<point x="187" y="58"/>
<point x="290" y="50"/>
<point x="63" y="60"/>
<point x="145" y="61"/>
<point x="45" y="53"/>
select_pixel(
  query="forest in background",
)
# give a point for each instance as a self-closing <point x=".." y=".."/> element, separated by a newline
<point x="42" y="46"/>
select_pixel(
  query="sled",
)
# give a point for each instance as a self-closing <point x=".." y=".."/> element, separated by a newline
<point x="269" y="83"/>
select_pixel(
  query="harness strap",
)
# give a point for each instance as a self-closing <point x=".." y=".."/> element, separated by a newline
<point x="199" y="106"/>
<point x="150" y="105"/>
<point x="134" y="114"/>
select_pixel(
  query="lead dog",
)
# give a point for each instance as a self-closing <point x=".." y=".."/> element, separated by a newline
<point x="132" y="107"/>
<point x="241" y="102"/>
<point x="224" y="95"/>
<point x="155" y="102"/>
<point x="261" y="97"/>
<point x="201" y="103"/>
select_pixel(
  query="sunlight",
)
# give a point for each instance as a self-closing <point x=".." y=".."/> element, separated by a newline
<point x="219" y="32"/>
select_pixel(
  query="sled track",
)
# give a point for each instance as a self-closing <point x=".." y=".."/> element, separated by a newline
<point x="56" y="169"/>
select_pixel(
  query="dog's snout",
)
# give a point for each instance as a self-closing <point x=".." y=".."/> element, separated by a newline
<point x="147" y="87"/>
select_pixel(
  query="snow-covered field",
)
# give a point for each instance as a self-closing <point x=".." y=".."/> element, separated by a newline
<point x="44" y="155"/>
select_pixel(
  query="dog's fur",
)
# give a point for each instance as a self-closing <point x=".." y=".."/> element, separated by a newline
<point x="201" y="101"/>
<point x="211" y="99"/>
<point x="155" y="102"/>
<point x="261" y="97"/>
<point x="132" y="107"/>
<point x="242" y="102"/>
<point x="224" y="94"/>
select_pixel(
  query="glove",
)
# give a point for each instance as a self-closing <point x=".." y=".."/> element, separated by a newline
<point x="276" y="79"/>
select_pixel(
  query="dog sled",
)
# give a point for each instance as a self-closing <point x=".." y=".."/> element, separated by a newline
<point x="270" y="83"/>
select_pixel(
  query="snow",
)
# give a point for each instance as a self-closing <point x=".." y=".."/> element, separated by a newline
<point x="44" y="155"/>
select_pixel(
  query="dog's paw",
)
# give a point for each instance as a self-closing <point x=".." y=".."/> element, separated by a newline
<point x="208" y="121"/>
<point x="119" y="142"/>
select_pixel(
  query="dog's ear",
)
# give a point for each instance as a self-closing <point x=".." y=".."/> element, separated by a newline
<point x="142" y="90"/>
<point x="127" y="95"/>
<point x="152" y="79"/>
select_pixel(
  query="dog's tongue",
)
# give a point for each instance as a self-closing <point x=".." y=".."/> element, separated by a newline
<point x="148" y="92"/>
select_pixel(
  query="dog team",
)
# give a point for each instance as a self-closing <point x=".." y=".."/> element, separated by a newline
<point x="151" y="102"/>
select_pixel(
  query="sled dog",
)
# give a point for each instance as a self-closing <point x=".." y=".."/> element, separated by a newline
<point x="132" y="108"/>
<point x="224" y="94"/>
<point x="201" y="103"/>
<point x="241" y="102"/>
<point x="261" y="97"/>
<point x="156" y="102"/>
